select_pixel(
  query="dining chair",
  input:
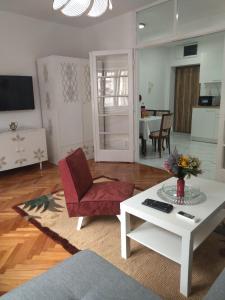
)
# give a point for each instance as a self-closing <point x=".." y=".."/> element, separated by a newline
<point x="160" y="112"/>
<point x="163" y="134"/>
<point x="85" y="198"/>
<point x="151" y="112"/>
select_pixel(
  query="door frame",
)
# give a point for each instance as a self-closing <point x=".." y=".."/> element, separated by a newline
<point x="220" y="173"/>
<point x="175" y="37"/>
<point x="127" y="155"/>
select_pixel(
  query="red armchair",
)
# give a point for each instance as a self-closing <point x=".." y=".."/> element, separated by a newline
<point x="85" y="198"/>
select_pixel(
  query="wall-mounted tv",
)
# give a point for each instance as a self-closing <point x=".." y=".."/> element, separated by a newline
<point x="16" y="93"/>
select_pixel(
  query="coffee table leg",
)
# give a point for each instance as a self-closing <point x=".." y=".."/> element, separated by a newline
<point x="125" y="229"/>
<point x="186" y="264"/>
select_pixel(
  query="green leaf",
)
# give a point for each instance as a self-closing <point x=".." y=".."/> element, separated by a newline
<point x="46" y="205"/>
<point x="44" y="202"/>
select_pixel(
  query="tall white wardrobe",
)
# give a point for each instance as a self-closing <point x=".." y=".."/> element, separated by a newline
<point x="65" y="92"/>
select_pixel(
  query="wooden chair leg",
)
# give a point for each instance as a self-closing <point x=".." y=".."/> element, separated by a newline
<point x="163" y="147"/>
<point x="169" y="143"/>
<point x="160" y="147"/>
<point x="155" y="144"/>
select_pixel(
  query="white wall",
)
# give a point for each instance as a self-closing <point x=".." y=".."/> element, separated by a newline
<point x="153" y="64"/>
<point x="22" y="41"/>
<point x="116" y="33"/>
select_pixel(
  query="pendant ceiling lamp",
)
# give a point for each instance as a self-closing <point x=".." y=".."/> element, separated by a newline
<point x="75" y="8"/>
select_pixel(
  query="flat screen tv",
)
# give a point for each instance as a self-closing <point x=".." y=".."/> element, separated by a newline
<point x="16" y="93"/>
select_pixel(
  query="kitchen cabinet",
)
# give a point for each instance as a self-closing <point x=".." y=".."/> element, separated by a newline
<point x="205" y="124"/>
<point x="211" y="66"/>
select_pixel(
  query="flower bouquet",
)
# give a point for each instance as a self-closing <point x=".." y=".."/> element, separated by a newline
<point x="180" y="166"/>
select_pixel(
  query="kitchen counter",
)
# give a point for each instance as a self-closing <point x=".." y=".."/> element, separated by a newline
<point x="207" y="107"/>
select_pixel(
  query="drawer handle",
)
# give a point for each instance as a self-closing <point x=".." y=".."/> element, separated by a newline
<point x="18" y="138"/>
<point x="20" y="161"/>
<point x="2" y="162"/>
<point x="20" y="150"/>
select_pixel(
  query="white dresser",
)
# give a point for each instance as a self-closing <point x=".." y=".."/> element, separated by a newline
<point x="22" y="147"/>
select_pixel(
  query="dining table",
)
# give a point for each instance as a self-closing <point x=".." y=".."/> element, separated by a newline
<point x="146" y="126"/>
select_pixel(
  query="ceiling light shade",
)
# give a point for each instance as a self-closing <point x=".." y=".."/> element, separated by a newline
<point x="76" y="8"/>
<point x="141" y="25"/>
<point x="99" y="7"/>
<point x="57" y="4"/>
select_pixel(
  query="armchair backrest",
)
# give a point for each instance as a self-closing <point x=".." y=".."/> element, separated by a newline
<point x="75" y="175"/>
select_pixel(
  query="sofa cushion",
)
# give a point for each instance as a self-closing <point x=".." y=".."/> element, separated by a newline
<point x="217" y="291"/>
<point x="78" y="277"/>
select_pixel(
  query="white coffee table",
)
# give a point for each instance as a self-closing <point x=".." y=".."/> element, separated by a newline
<point x="169" y="235"/>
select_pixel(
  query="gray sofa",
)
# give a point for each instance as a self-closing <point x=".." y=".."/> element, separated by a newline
<point x="84" y="276"/>
<point x="217" y="291"/>
<point x="87" y="276"/>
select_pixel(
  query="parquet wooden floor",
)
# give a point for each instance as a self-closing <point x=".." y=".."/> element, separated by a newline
<point x="24" y="250"/>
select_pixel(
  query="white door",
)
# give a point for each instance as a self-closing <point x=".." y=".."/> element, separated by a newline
<point x="112" y="98"/>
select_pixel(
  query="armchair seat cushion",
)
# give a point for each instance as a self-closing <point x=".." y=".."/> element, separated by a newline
<point x="109" y="191"/>
<point x="104" y="199"/>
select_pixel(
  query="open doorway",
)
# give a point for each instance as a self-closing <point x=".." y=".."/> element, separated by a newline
<point x="187" y="92"/>
<point x="187" y="85"/>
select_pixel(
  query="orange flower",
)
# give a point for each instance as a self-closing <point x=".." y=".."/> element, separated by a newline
<point x="184" y="161"/>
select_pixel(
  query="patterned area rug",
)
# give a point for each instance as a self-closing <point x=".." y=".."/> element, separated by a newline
<point x="102" y="235"/>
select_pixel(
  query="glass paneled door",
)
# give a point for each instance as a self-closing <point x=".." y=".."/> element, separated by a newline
<point x="112" y="96"/>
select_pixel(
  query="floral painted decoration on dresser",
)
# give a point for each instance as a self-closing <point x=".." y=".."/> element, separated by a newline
<point x="39" y="154"/>
<point x="18" y="138"/>
<point x="20" y="161"/>
<point x="2" y="162"/>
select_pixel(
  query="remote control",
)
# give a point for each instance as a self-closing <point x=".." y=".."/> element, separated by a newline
<point x="162" y="206"/>
<point x="187" y="217"/>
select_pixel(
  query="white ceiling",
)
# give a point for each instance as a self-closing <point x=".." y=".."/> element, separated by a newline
<point x="42" y="9"/>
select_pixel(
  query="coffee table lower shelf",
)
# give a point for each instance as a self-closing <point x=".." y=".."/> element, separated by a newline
<point x="169" y="244"/>
<point x="158" y="239"/>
